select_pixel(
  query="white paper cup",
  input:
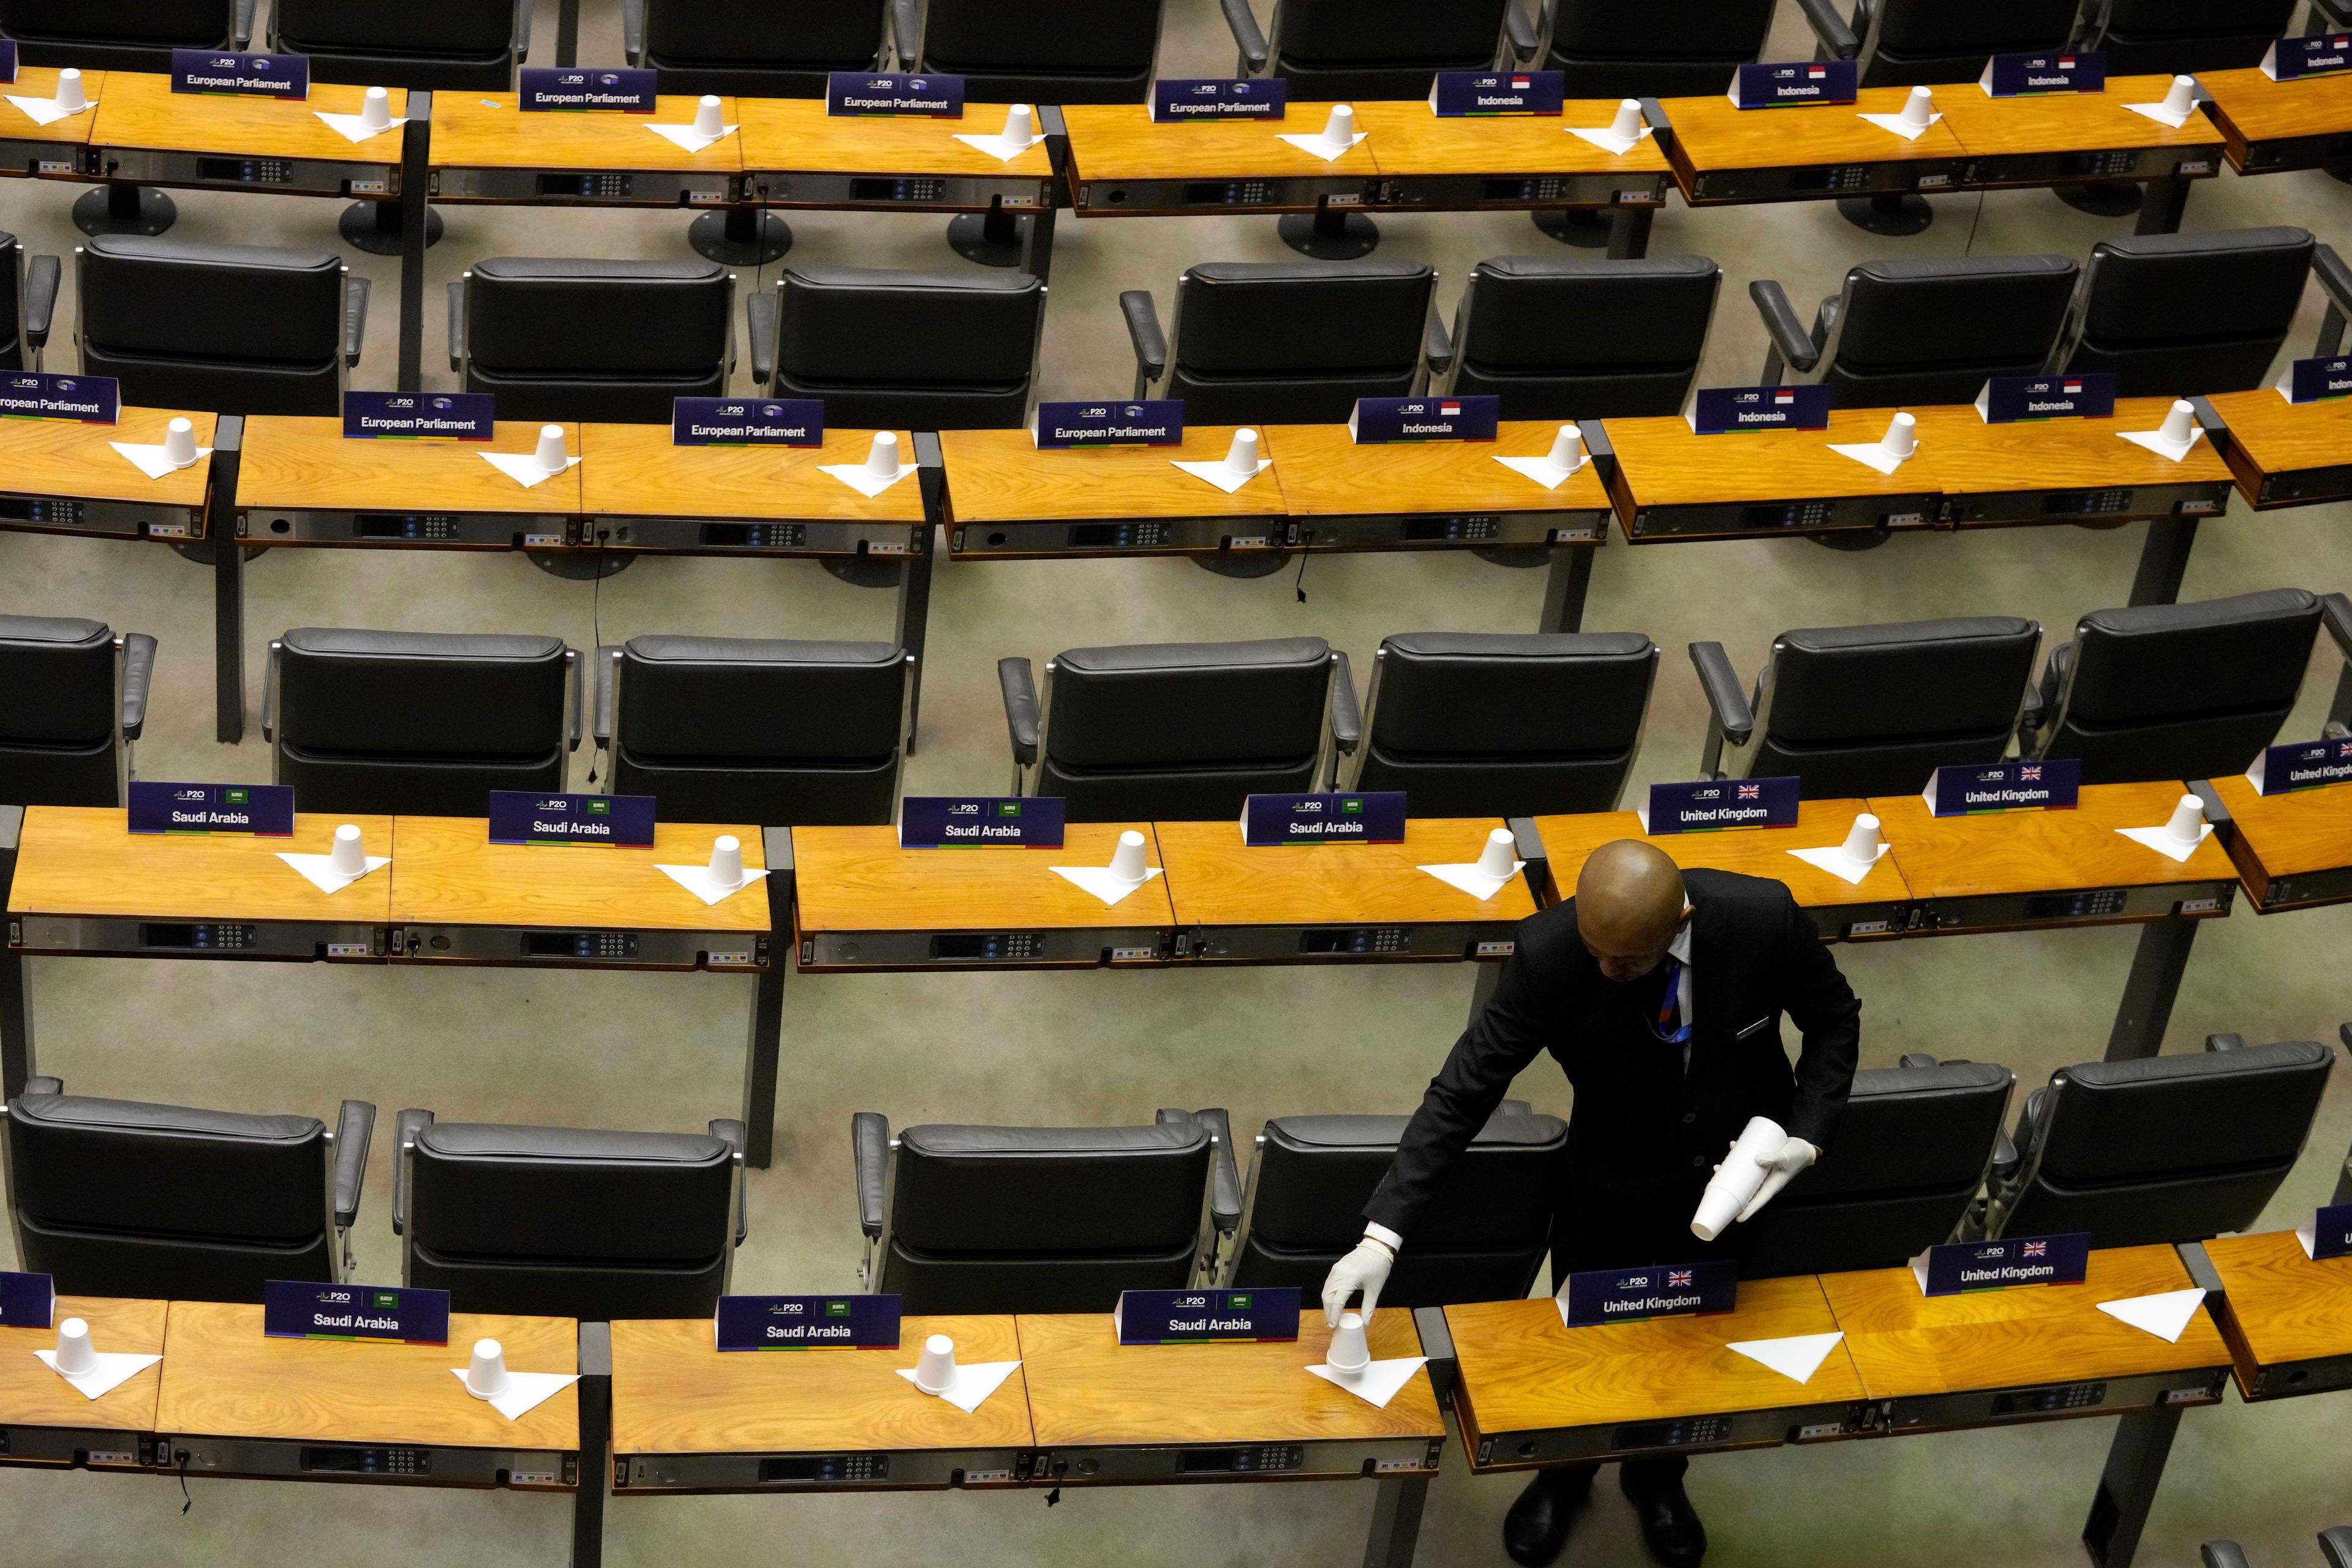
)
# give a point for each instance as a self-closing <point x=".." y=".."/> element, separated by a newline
<point x="69" y="93"/>
<point x="349" y="856"/>
<point x="1902" y="437"/>
<point x="1567" y="448"/>
<point x="486" y="1377"/>
<point x="727" y="860"/>
<point x="2180" y="421"/>
<point x="1498" y="858"/>
<point x="882" y="457"/>
<point x="1242" y="456"/>
<point x="1339" y="131"/>
<point x="1127" y="860"/>
<point x="76" y="1355"/>
<point x="1628" y="123"/>
<point x="708" y="120"/>
<point x="2181" y="96"/>
<point x="551" y="454"/>
<point x="179" y="443"/>
<point x="1919" y="109"/>
<point x="376" y="109"/>
<point x="1349" y="1352"/>
<point x="936" y="1369"/>
<point x="2187" y="823"/>
<point x="1020" y="125"/>
<point x="1861" y="841"/>
<point x="1738" y="1179"/>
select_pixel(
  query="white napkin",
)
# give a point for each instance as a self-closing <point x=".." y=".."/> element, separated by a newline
<point x="1894" y="122"/>
<point x="1472" y="880"/>
<point x="114" y="1370"/>
<point x="1833" y="860"/>
<point x="523" y="468"/>
<point x="997" y="147"/>
<point x="972" y="1383"/>
<point x="1313" y="143"/>
<point x="695" y="879"/>
<point x="526" y="1390"/>
<point x="1796" y="1357"/>
<point x="2162" y="115"/>
<point x="1872" y="453"/>
<point x="1541" y="470"/>
<point x="857" y="477"/>
<point x="45" y="111"/>
<point x="2165" y="1314"/>
<point x="688" y="137"/>
<point x="1098" y="881"/>
<point x="1379" y="1382"/>
<point x="2164" y="843"/>
<point x="350" y="128"/>
<point x="1224" y="478"/>
<point x="1608" y="140"/>
<point x="319" y="869"/>
<point x="2155" y="442"/>
<point x="149" y="459"/>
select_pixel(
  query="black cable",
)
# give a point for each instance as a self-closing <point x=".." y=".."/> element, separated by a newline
<point x="187" y="1501"/>
<point x="596" y="648"/>
<point x="1299" y="584"/>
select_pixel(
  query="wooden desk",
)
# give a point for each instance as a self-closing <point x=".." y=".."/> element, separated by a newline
<point x="1878" y="906"/>
<point x="1722" y="153"/>
<point x="486" y="149"/>
<point x="2267" y="126"/>
<point x="2069" y="138"/>
<point x="57" y="151"/>
<point x="1121" y="164"/>
<point x="61" y="476"/>
<point x="45" y="1420"/>
<point x="1321" y="902"/>
<point x="1009" y="500"/>
<point x="1532" y="1392"/>
<point x="298" y="481"/>
<point x="147" y="134"/>
<point x="863" y="903"/>
<point x="637" y="491"/>
<point x="2287" y="1319"/>
<point x="1490" y="162"/>
<point x="1421" y="495"/>
<point x="2293" y="851"/>
<point x="1671" y="483"/>
<point x="688" y="1418"/>
<point x="2064" y="470"/>
<point x="2287" y="454"/>
<point x="796" y="155"/>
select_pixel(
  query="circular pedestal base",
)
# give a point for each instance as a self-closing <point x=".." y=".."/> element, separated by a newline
<point x="2101" y="198"/>
<point x="1243" y="562"/>
<point x="1853" y="539"/>
<point x="740" y="236"/>
<point x="1891" y="216"/>
<point x="1517" y="556"/>
<point x="1584" y="227"/>
<point x="1329" y="235"/>
<point x="991" y="238"/>
<point x="866" y="571"/>
<point x="580" y="565"/>
<point x="202" y="552"/>
<point x="123" y="209"/>
<point x="374" y="227"/>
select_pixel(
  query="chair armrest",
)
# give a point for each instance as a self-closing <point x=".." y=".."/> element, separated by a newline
<point x="355" y="303"/>
<point x="2335" y="283"/>
<point x="633" y="31"/>
<point x="44" y="1085"/>
<point x="2223" y="1554"/>
<point x="1347" y="715"/>
<point x="608" y="660"/>
<point x="2031" y="712"/>
<point x="1520" y="30"/>
<point x="2225" y="1042"/>
<point x="1143" y="334"/>
<point x="1725" y="699"/>
<point x="761" y="314"/>
<point x="522" y="30"/>
<point x="579" y="699"/>
<point x="907" y="33"/>
<point x="269" y="694"/>
<point x="1019" y="685"/>
<point x="1437" y="343"/>
<point x="405" y="1128"/>
<point x="42" y="274"/>
<point x="354" y="1127"/>
<point x="2336" y="615"/>
<point x="1918" y="1059"/>
<point x="1830" y="29"/>
<point x="738" y="1138"/>
<point x="1224" y="1171"/>
<point x="138" y="676"/>
<point x="240" y="23"/>
<point x="457" y="326"/>
<point x="1246" y="36"/>
<point x="2336" y="1545"/>
<point x="1791" y="342"/>
<point x="1515" y="1108"/>
<point x="869" y="1147"/>
<point x="2005" y="1157"/>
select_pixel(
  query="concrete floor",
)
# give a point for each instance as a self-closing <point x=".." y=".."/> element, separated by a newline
<point x="663" y="1051"/>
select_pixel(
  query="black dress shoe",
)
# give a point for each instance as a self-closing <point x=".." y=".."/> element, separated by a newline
<point x="1670" y="1525"/>
<point x="1536" y="1527"/>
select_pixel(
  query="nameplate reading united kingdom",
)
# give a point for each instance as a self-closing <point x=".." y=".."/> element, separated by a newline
<point x="923" y="96"/>
<point x="1374" y="817"/>
<point x="49" y="394"/>
<point x="1178" y="98"/>
<point x="1461" y="94"/>
<point x="1377" y="420"/>
<point x="241" y="74"/>
<point x="1709" y="805"/>
<point x="304" y="1309"/>
<point x="2321" y="54"/>
<point x="261" y="811"/>
<point x="1192" y="1317"/>
<point x="746" y="422"/>
<point x="563" y="90"/>
<point x="2330" y="1236"/>
<point x="1962" y="1266"/>
<point x="527" y="817"/>
<point x="1720" y="410"/>
<point x="419" y="416"/>
<point x="2307" y="764"/>
<point x="962" y="822"/>
<point x="26" y="1300"/>
<point x="807" y="1322"/>
<point x="2024" y="76"/>
<point x="1157" y="423"/>
<point x="1652" y="1291"/>
<point x="1805" y="81"/>
<point x="2316" y="380"/>
<point x="2021" y="399"/>
<point x="1971" y="788"/>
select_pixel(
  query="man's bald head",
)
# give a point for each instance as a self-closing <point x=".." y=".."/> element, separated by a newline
<point x="1630" y="905"/>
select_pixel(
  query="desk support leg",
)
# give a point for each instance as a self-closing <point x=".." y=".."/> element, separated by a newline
<point x="2156" y="971"/>
<point x="760" y="1057"/>
<point x="595" y="1387"/>
<point x="1396" y="1521"/>
<point x="1564" y="588"/>
<point x="914" y="618"/>
<point x="2161" y="206"/>
<point x="1628" y="232"/>
<point x="2127" y="1487"/>
<point x="2164" y="561"/>
<point x="228" y="626"/>
<point x="1037" y="254"/>
<point x="415" y="218"/>
<point x="16" y="998"/>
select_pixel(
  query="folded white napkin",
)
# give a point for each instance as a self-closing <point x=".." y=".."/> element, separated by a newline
<point x="319" y="869"/>
<point x="2165" y="1314"/>
<point x="2164" y="843"/>
<point x="2155" y="442"/>
<point x="997" y="147"/>
<point x="45" y="111"/>
<point x="695" y="879"/>
<point x="1833" y="860"/>
<point x="526" y="1390"/>
<point x="1098" y="881"/>
<point x="857" y="477"/>
<point x="1541" y="469"/>
<point x="1608" y="140"/>
<point x="1894" y="122"/>
<point x="523" y="468"/>
<point x="971" y="1384"/>
<point x="1379" y="1382"/>
<point x="1313" y="143"/>
<point x="150" y="460"/>
<point x="350" y="128"/>
<point x="1872" y="453"/>
<point x="1797" y="1357"/>
<point x="113" y="1369"/>
<point x="2162" y="115"/>
<point x="688" y="137"/>
<point x="1224" y="478"/>
<point x="1472" y="880"/>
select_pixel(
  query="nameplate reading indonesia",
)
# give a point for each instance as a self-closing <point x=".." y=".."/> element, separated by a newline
<point x="26" y="1300"/>
<point x="1178" y="98"/>
<point x="2024" y="76"/>
<point x="562" y="91"/>
<point x="1379" y="420"/>
<point x="1373" y="817"/>
<point x="304" y="1309"/>
<point x="2307" y="764"/>
<point x="1806" y="81"/>
<point x="1709" y="805"/>
<point x="1460" y="94"/>
<point x="1189" y="1317"/>
<point x="2316" y="380"/>
<point x="7" y="61"/>
<point x="1957" y="1267"/>
<point x="1653" y="1290"/>
<point x="802" y="1323"/>
<point x="2322" y="53"/>
<point x="2331" y="1237"/>
<point x="241" y="74"/>
<point x="47" y="394"/>
<point x="2021" y="399"/>
<point x="960" y="822"/>
<point x="1158" y="423"/>
<point x="1971" y="788"/>
<point x="746" y="422"/>
<point x="418" y="415"/>
<point x="922" y="97"/>
<point x="526" y="816"/>
<point x="1721" y="410"/>
<point x="261" y="811"/>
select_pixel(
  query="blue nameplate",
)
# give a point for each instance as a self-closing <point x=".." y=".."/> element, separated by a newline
<point x="47" y="394"/>
<point x="26" y="1300"/>
<point x="1652" y="1291"/>
<point x="1805" y="81"/>
<point x="1720" y="410"/>
<point x="2307" y="764"/>
<point x="1158" y="423"/>
<point x="1377" y="817"/>
<point x="263" y="811"/>
<point x="418" y="415"/>
<point x="242" y="76"/>
<point x="305" y="1310"/>
<point x="2322" y="53"/>
<point x="1709" y="805"/>
<point x="526" y="816"/>
<point x="894" y="93"/>
<point x="2331" y="1237"/>
<point x="565" y="90"/>
<point x="1461" y="93"/>
<point x="1972" y="787"/>
<point x="962" y="821"/>
<point x="802" y="1323"/>
<point x="2022" y="76"/>
<point x="1189" y="1317"/>
<point x="2314" y="380"/>
<point x="746" y="422"/>
<point x="1379" y="420"/>
<point x="1176" y="98"/>
<point x="8" y="60"/>
<point x="2014" y="399"/>
<point x="1959" y="1266"/>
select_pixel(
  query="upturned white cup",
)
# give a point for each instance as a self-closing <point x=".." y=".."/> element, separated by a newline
<point x="1242" y="456"/>
<point x="727" y="860"/>
<point x="1349" y="1352"/>
<point x="2181" y="96"/>
<point x="1568" y="447"/>
<point x="1628" y="123"/>
<point x="349" y="856"/>
<point x="1127" y="860"/>
<point x="1497" y="859"/>
<point x="375" y="110"/>
<point x="76" y="1355"/>
<point x="2187" y="823"/>
<point x="1339" y="131"/>
<point x="1020" y="125"/>
<point x="551" y="454"/>
<point x="935" y="1369"/>
<point x="708" y="120"/>
<point x="1861" y="841"/>
<point x="1901" y="438"/>
<point x="1738" y="1179"/>
<point x="1919" y="109"/>
<point x="882" y="457"/>
<point x="486" y="1378"/>
<point x="179" y="443"/>
<point x="2180" y="421"/>
<point x="69" y="94"/>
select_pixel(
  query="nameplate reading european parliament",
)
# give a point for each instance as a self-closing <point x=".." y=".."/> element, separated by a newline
<point x="1379" y="420"/>
<point x="565" y="90"/>
<point x="1178" y="98"/>
<point x="26" y="1300"/>
<point x="1269" y="821"/>
<point x="2322" y="53"/>
<point x="1961" y="1266"/>
<point x="923" y="96"/>
<point x="1190" y="1317"/>
<point x="803" y="1322"/>
<point x="7" y="61"/>
<point x="1806" y="81"/>
<point x="2023" y="75"/>
<point x="47" y="394"/>
<point x="960" y="821"/>
<point x="305" y="1310"/>
<point x="2308" y="765"/>
<point x="526" y="816"/>
<point x="241" y="74"/>
<point x="2019" y="399"/>
<point x="1709" y="805"/>
<point x="1720" y="410"/>
<point x="1971" y="787"/>
<point x="2316" y="380"/>
<point x="418" y="415"/>
<point x="1458" y="94"/>
<point x="1655" y="1290"/>
<point x="263" y="811"/>
<point x="1158" y="423"/>
<point x="746" y="422"/>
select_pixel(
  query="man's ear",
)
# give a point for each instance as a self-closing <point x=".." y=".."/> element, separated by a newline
<point x="1682" y="924"/>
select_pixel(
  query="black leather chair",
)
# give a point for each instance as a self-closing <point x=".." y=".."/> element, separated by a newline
<point x="779" y="48"/>
<point x="1902" y="42"/>
<point x="1334" y="49"/>
<point x="234" y="329"/>
<point x="2174" y="691"/>
<point x="430" y="44"/>
<point x="1502" y="724"/>
<point x="1911" y="1153"/>
<point x="901" y="350"/>
<point x="2160" y="1149"/>
<point x="570" y="1223"/>
<point x="73" y="698"/>
<point x="1920" y="331"/>
<point x="1175" y="731"/>
<point x="1283" y="342"/>
<point x="737" y="730"/>
<point x="2181" y="38"/>
<point x="30" y="304"/>
<point x="427" y="722"/>
<point x="1032" y="51"/>
<point x="114" y="1197"/>
<point x="1608" y="50"/>
<point x="123" y="35"/>
<point x="1041" y="1219"/>
<point x="2174" y="315"/>
<point x="1865" y="710"/>
<point x="554" y="338"/>
<point x="1570" y="339"/>
<point x="1483" y="1238"/>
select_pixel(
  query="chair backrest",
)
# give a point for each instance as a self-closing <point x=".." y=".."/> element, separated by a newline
<point x="2164" y="1149"/>
<point x="780" y="48"/>
<point x="1933" y="332"/>
<point x="118" y="1198"/>
<point x="1267" y="342"/>
<point x="1502" y="724"/>
<point x="1911" y="1150"/>
<point x="770" y="732"/>
<point x="418" y="721"/>
<point x="1565" y="338"/>
<point x="1380" y="48"/>
<point x="1044" y="1219"/>
<point x="1045" y="51"/>
<point x="59" y="712"/>
<point x="1866" y="711"/>
<point x="1606" y="48"/>
<point x="2180" y="38"/>
<point x="2182" y="691"/>
<point x="236" y="329"/>
<point x="11" y="303"/>
<point x="909" y="351"/>
<point x="558" y="339"/>
<point x="568" y="1221"/>
<point x="440" y="45"/>
<point x="114" y="34"/>
<point x="2177" y="315"/>
<point x="1182" y="732"/>
<point x="1935" y="41"/>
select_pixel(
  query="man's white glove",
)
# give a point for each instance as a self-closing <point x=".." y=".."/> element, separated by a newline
<point x="1366" y="1269"/>
<point x="1779" y="1167"/>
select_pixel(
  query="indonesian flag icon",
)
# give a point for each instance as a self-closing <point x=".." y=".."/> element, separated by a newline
<point x="2065" y="62"/>
<point x="2073" y="386"/>
<point x="1449" y="410"/>
<point x="1521" y="83"/>
<point x="1812" y="71"/>
<point x="1784" y="396"/>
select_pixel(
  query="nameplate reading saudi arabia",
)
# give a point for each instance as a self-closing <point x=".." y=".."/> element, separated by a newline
<point x="262" y="811"/>
<point x="26" y="1300"/>
<point x="1189" y="1317"/>
<point x="1721" y="410"/>
<point x="960" y="822"/>
<point x="241" y="74"/>
<point x="2306" y="765"/>
<point x="1807" y="81"/>
<point x="746" y="422"/>
<point x="1158" y="423"/>
<point x="526" y="816"/>
<point x="2021" y="399"/>
<point x="2023" y="75"/>
<point x="1374" y="817"/>
<point x="1178" y="98"/>
<point x="894" y="93"/>
<point x="1709" y="806"/>
<point x="802" y="1323"/>
<point x="304" y="1309"/>
<point x="2316" y="380"/>
<point x="1379" y="420"/>
<point x="47" y="394"/>
<point x="1653" y="1290"/>
<point x="561" y="90"/>
<point x="1460" y="94"/>
<point x="1971" y="788"/>
<point x="418" y="415"/>
<point x="1960" y="1266"/>
<point x="2322" y="53"/>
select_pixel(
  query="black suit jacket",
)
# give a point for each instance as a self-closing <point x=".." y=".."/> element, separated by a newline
<point x="1642" y="1124"/>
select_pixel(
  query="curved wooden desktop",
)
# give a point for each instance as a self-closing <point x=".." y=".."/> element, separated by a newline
<point x="1671" y="482"/>
<point x="1722" y="152"/>
<point x="1007" y="498"/>
<point x="2064" y="470"/>
<point x="485" y="148"/>
<point x="300" y="483"/>
<point x="797" y="155"/>
<point x="2267" y="126"/>
<point x="54" y="150"/>
<point x="152" y="135"/>
<point x="2288" y="454"/>
<point x="2055" y="137"/>
<point x="61" y="476"/>
<point x="2293" y="851"/>
<point x="2288" y="1320"/>
<point x="638" y="492"/>
<point x="45" y="1420"/>
<point x="1122" y="163"/>
<point x="1421" y="495"/>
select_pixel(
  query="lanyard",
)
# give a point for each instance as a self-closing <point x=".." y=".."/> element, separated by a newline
<point x="1668" y="1005"/>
